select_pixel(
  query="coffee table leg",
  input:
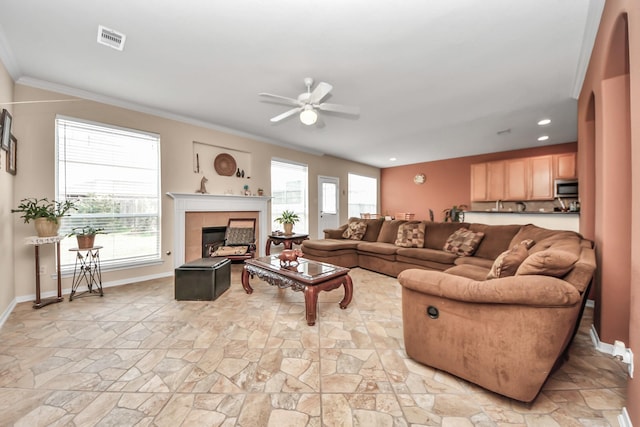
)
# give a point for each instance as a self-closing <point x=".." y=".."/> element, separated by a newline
<point x="245" y="281"/>
<point x="348" y="292"/>
<point x="311" y="304"/>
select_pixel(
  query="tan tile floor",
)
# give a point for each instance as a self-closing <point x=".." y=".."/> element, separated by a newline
<point x="137" y="357"/>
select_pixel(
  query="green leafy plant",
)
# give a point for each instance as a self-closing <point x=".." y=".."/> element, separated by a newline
<point x="455" y="213"/>
<point x="87" y="230"/>
<point x="33" y="208"/>
<point x="288" y="217"/>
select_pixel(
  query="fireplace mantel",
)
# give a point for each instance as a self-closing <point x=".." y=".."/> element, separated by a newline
<point x="190" y="202"/>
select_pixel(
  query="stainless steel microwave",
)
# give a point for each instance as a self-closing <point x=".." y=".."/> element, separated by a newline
<point x="565" y="188"/>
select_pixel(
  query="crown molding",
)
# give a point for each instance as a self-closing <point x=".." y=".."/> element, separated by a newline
<point x="116" y="102"/>
<point x="594" y="14"/>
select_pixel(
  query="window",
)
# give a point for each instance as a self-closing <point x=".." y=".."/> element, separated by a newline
<point x="363" y="195"/>
<point x="114" y="175"/>
<point x="289" y="189"/>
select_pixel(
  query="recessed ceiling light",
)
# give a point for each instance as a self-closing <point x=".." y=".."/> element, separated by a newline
<point x="544" y="122"/>
<point x="543" y="138"/>
<point x="393" y="159"/>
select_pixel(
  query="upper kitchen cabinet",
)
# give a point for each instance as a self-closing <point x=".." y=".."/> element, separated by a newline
<point x="516" y="179"/>
<point x="479" y="182"/>
<point x="565" y="166"/>
<point x="487" y="181"/>
<point x="495" y="180"/>
<point x="541" y="173"/>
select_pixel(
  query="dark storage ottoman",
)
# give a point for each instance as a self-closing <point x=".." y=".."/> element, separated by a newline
<point x="204" y="279"/>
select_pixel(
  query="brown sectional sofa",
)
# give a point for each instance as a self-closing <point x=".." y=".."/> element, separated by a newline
<point x="505" y="334"/>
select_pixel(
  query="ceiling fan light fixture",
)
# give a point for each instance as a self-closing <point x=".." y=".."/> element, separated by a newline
<point x="308" y="116"/>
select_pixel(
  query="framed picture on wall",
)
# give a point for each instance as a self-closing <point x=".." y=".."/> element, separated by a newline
<point x="12" y="156"/>
<point x="5" y="138"/>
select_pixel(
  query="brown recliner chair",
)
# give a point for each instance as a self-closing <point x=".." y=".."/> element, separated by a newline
<point x="505" y="334"/>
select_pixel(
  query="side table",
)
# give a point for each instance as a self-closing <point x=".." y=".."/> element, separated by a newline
<point x="286" y="240"/>
<point x="36" y="242"/>
<point x="87" y="271"/>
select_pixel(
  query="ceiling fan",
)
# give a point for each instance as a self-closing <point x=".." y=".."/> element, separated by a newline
<point x="308" y="103"/>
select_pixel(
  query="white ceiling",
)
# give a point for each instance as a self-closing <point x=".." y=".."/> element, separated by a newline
<point x="433" y="79"/>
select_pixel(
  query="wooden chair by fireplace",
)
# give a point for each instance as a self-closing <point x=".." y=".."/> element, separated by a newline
<point x="240" y="240"/>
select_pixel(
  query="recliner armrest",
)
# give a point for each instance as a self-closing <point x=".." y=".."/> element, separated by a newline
<point x="534" y="290"/>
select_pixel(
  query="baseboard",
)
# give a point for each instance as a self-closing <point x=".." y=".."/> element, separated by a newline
<point x="602" y="347"/>
<point x="623" y="419"/>
<point x="7" y="312"/>
<point x="66" y="291"/>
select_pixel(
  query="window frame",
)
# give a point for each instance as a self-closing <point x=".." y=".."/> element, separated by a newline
<point x="61" y="194"/>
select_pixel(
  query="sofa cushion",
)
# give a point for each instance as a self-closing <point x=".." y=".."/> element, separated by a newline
<point x="355" y="230"/>
<point x="373" y="228"/>
<point x="539" y="235"/>
<point x="508" y="262"/>
<point x="410" y="235"/>
<point x="549" y="262"/>
<point x="497" y="239"/>
<point x="330" y="244"/>
<point x="425" y="254"/>
<point x="389" y="230"/>
<point x="474" y="260"/>
<point x="377" y="248"/>
<point x="470" y="271"/>
<point x="463" y="242"/>
<point x="437" y="233"/>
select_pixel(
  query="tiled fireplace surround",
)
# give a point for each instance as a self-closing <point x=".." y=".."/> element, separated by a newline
<point x="191" y="212"/>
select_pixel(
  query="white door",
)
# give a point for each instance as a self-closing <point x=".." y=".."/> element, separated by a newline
<point x="328" y="215"/>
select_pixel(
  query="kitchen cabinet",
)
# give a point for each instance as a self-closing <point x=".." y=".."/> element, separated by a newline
<point x="565" y="166"/>
<point x="527" y="178"/>
<point x="479" y="182"/>
<point x="495" y="180"/>
<point x="541" y="176"/>
<point x="516" y="179"/>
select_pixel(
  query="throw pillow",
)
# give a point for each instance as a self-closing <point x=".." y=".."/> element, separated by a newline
<point x="355" y="230"/>
<point x="550" y="262"/>
<point x="463" y="242"/>
<point x="508" y="261"/>
<point x="230" y="250"/>
<point x="411" y="235"/>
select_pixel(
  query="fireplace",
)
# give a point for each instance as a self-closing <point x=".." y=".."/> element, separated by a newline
<point x="183" y="203"/>
<point x="212" y="239"/>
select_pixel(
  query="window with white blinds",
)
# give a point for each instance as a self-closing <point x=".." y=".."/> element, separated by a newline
<point x="290" y="191"/>
<point x="113" y="174"/>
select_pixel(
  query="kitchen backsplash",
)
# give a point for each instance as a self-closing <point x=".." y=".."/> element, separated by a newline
<point x="530" y="205"/>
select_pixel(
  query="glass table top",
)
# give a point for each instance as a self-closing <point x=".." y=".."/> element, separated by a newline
<point x="305" y="268"/>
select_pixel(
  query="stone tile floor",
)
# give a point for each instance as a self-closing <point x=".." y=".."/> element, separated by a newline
<point x="137" y="357"/>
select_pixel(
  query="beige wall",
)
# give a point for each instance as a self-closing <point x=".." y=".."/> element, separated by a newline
<point x="7" y="291"/>
<point x="609" y="165"/>
<point x="36" y="172"/>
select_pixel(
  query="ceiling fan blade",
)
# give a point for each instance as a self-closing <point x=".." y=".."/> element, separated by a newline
<point x="346" y="109"/>
<point x="283" y="99"/>
<point x="320" y="92"/>
<point x="285" y="115"/>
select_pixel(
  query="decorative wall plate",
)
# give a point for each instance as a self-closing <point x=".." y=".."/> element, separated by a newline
<point x="225" y="164"/>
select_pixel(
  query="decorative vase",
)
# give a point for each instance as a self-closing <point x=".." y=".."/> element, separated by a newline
<point x="46" y="228"/>
<point x="288" y="228"/>
<point x="86" y="241"/>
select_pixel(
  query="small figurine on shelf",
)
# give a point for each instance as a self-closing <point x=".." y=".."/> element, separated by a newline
<point x="260" y="192"/>
<point x="203" y="188"/>
<point x="246" y="190"/>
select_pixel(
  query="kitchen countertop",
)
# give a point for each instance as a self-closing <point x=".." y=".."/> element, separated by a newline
<point x="525" y="212"/>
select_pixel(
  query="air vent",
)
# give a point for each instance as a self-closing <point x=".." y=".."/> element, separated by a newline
<point x="111" y="38"/>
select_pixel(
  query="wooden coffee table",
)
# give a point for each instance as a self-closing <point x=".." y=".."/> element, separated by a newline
<point x="308" y="276"/>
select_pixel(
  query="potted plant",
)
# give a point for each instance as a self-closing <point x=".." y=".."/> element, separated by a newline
<point x="454" y="214"/>
<point x="287" y="218"/>
<point x="86" y="235"/>
<point x="45" y="214"/>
